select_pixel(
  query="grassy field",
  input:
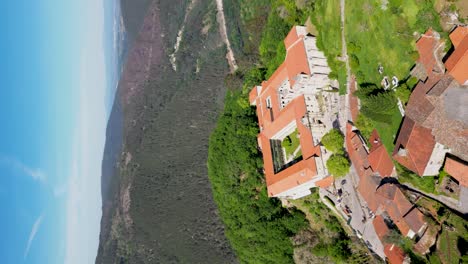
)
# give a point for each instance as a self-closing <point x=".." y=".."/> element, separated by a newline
<point x="389" y="29"/>
<point x="291" y="143"/>
<point x="426" y="184"/>
<point x="379" y="33"/>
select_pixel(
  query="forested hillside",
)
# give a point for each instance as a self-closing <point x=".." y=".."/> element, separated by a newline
<point x="258" y="227"/>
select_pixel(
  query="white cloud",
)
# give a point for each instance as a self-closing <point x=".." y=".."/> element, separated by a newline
<point x="84" y="202"/>
<point x="35" y="173"/>
<point x="32" y="235"/>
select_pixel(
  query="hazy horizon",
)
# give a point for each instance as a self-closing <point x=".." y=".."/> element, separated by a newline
<point x="61" y="69"/>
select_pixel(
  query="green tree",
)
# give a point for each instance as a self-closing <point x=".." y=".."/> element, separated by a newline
<point x="365" y="125"/>
<point x="366" y="90"/>
<point x="403" y="92"/>
<point x="339" y="251"/>
<point x="377" y="106"/>
<point x="333" y="141"/>
<point x="257" y="226"/>
<point x="338" y="165"/>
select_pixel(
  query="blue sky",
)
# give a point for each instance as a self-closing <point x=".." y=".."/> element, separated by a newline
<point x="56" y="74"/>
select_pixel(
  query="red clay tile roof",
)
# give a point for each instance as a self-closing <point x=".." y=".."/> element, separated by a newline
<point x="425" y="46"/>
<point x="291" y="177"/>
<point x="357" y="152"/>
<point x="394" y="254"/>
<point x="387" y="196"/>
<point x="458" y="35"/>
<point x="439" y="88"/>
<point x="272" y="119"/>
<point x="380" y="227"/>
<point x="457" y="63"/>
<point x="405" y="216"/>
<point x="418" y="144"/>
<point x="253" y="95"/>
<point x="458" y="170"/>
<point x="291" y="37"/>
<point x="397" y="218"/>
<point x="374" y="140"/>
<point x="404" y="206"/>
<point x="379" y="159"/>
<point x="415" y="220"/>
<point x="325" y="182"/>
<point x="387" y="191"/>
<point x="296" y="61"/>
<point x="419" y="107"/>
<point x="367" y="188"/>
<point x="299" y="172"/>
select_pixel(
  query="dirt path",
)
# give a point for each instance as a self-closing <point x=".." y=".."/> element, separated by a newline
<point x="344" y="52"/>
<point x="223" y="31"/>
<point x="172" y="57"/>
<point x="344" y="109"/>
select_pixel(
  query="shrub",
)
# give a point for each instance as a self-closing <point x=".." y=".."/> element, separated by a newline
<point x="403" y="93"/>
<point x="426" y="18"/>
<point x="321" y="249"/>
<point x="338" y="165"/>
<point x="354" y="62"/>
<point x="365" y="125"/>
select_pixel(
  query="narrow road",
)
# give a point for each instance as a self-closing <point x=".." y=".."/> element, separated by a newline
<point x="344" y="54"/>
<point x="223" y="31"/>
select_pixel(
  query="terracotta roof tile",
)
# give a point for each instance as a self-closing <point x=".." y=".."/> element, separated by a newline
<point x="387" y="191"/>
<point x="395" y="254"/>
<point x="379" y="159"/>
<point x="367" y="188"/>
<point x="325" y="182"/>
<point x="397" y="217"/>
<point x="374" y="140"/>
<point x="415" y="220"/>
<point x="300" y="172"/>
<point x="419" y="107"/>
<point x="357" y="152"/>
<point x="291" y="177"/>
<point x="404" y="206"/>
<point x="417" y="144"/>
<point x="253" y="95"/>
<point x="296" y="61"/>
<point x="458" y="170"/>
<point x="380" y="227"/>
<point x="291" y="37"/>
<point x="441" y="86"/>
<point x="405" y="216"/>
<point x="426" y="46"/>
<point x="457" y="63"/>
<point x="458" y="35"/>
